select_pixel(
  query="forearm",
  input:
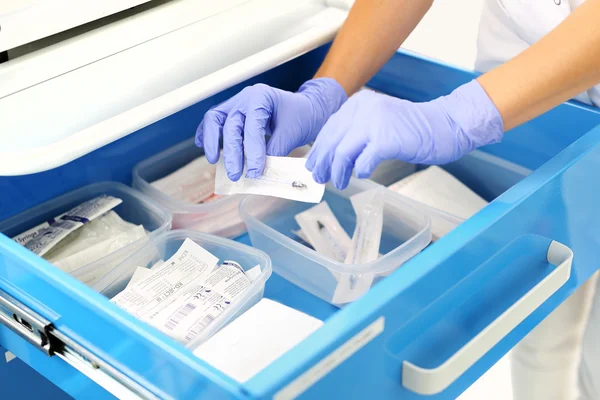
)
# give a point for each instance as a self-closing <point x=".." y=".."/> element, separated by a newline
<point x="374" y="30"/>
<point x="558" y="67"/>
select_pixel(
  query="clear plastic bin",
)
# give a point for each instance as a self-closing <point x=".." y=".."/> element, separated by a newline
<point x="485" y="174"/>
<point x="406" y="231"/>
<point x="220" y="217"/>
<point x="135" y="208"/>
<point x="165" y="245"/>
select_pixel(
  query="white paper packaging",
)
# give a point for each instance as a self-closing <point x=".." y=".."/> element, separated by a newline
<point x="323" y="231"/>
<point x="284" y="177"/>
<point x="368" y="207"/>
<point x="72" y="220"/>
<point x="185" y="294"/>
<point x="256" y="338"/>
<point x="438" y="189"/>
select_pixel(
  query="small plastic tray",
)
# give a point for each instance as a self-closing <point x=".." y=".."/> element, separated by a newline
<point x="220" y="217"/>
<point x="165" y="245"/>
<point x="135" y="208"/>
<point x="406" y="231"/>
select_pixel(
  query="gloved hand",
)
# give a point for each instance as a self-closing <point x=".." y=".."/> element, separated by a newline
<point x="370" y="128"/>
<point x="291" y="119"/>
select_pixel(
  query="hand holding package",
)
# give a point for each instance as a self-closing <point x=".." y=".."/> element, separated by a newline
<point x="375" y="127"/>
<point x="244" y="121"/>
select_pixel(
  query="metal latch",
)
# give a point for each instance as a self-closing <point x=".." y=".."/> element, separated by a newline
<point x="40" y="332"/>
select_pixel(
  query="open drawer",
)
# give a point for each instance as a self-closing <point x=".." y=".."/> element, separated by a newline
<point x="431" y="328"/>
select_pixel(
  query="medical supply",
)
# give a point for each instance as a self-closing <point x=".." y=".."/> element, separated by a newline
<point x="104" y="228"/>
<point x="368" y="207"/>
<point x="193" y="183"/>
<point x="370" y="128"/>
<point x="302" y="238"/>
<point x="437" y="188"/>
<point x="284" y="177"/>
<point x="72" y="220"/>
<point x="216" y="214"/>
<point x="186" y="293"/>
<point x="95" y="252"/>
<point x="291" y="119"/>
<point x="256" y="339"/>
<point x="323" y="231"/>
<point x="34" y="232"/>
<point x="405" y="233"/>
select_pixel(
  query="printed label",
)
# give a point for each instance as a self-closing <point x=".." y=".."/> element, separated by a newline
<point x="186" y="293"/>
<point x="49" y="236"/>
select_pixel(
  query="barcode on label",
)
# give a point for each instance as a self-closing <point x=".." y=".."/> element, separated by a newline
<point x="181" y="314"/>
<point x="200" y="325"/>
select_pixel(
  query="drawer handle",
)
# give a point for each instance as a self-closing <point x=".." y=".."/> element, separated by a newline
<point x="432" y="381"/>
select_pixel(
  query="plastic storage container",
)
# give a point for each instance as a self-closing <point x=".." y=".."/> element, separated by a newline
<point x="406" y="231"/>
<point x="220" y="217"/>
<point x="164" y="246"/>
<point x="135" y="208"/>
<point x="500" y="175"/>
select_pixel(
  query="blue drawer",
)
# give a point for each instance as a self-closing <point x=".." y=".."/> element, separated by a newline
<point x="422" y="329"/>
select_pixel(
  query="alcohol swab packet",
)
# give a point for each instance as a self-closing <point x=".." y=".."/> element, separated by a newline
<point x="285" y="177"/>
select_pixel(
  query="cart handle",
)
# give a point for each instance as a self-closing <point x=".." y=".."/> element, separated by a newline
<point x="432" y="381"/>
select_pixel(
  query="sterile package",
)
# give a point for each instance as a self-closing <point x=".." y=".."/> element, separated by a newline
<point x="368" y="207"/>
<point x="183" y="295"/>
<point x="438" y="189"/>
<point x="323" y="232"/>
<point x="96" y="237"/>
<point x="321" y="229"/>
<point x="284" y="177"/>
<point x="44" y="237"/>
<point x="105" y="228"/>
<point x="256" y="339"/>
<point x="194" y="183"/>
<point x="97" y="251"/>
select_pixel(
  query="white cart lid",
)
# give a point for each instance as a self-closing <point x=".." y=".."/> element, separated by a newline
<point x="64" y="101"/>
<point x="24" y="21"/>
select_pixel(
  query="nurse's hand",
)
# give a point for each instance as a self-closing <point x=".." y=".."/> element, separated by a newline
<point x="370" y="128"/>
<point x="244" y="121"/>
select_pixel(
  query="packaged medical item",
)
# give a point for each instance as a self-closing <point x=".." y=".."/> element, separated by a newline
<point x="104" y="228"/>
<point x="194" y="183"/>
<point x="439" y="189"/>
<point x="72" y="220"/>
<point x="368" y="207"/>
<point x="95" y="252"/>
<point x="185" y="294"/>
<point x="284" y="177"/>
<point x="323" y="231"/>
<point x="256" y="339"/>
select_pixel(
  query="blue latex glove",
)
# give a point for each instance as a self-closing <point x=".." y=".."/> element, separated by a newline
<point x="291" y="119"/>
<point x="375" y="127"/>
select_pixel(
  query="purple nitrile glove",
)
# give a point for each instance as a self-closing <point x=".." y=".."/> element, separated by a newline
<point x="292" y="120"/>
<point x="370" y="128"/>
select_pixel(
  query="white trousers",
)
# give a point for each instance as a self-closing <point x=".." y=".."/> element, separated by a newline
<point x="560" y="358"/>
